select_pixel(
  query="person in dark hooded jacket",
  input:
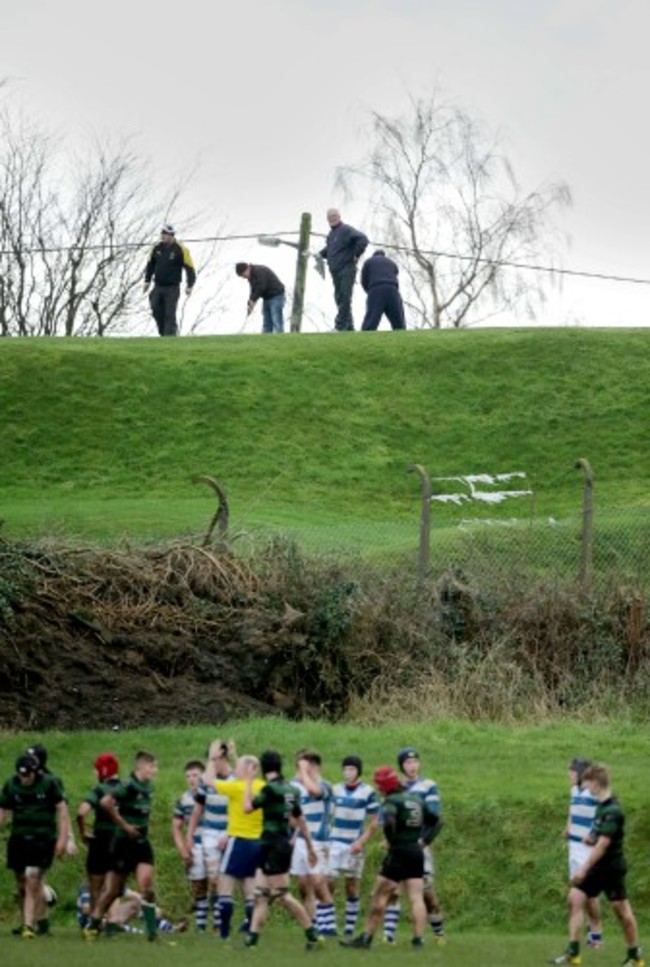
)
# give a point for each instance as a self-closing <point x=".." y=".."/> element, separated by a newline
<point x="379" y="281"/>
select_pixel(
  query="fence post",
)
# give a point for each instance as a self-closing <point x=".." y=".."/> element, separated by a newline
<point x="425" y="524"/>
<point x="586" y="557"/>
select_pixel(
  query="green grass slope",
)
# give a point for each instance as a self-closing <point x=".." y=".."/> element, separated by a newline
<point x="320" y="425"/>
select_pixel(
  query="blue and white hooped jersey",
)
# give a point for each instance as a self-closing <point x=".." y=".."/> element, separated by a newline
<point x="582" y="810"/>
<point x="350" y="807"/>
<point x="183" y="809"/>
<point x="427" y="790"/>
<point x="215" y="809"/>
<point x="316" y="810"/>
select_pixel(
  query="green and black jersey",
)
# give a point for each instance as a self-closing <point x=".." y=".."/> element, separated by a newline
<point x="404" y="816"/>
<point x="104" y="825"/>
<point x="610" y="821"/>
<point x="279" y="802"/>
<point x="33" y="807"/>
<point x="133" y="799"/>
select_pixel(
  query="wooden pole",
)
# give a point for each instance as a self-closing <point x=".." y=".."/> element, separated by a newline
<point x="301" y="272"/>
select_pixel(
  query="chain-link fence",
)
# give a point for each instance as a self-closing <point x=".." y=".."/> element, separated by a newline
<point x="489" y="530"/>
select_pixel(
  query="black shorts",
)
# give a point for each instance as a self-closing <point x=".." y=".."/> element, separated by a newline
<point x="98" y="860"/>
<point x="24" y="851"/>
<point x="403" y="863"/>
<point x="609" y="882"/>
<point x="127" y="854"/>
<point x="276" y="857"/>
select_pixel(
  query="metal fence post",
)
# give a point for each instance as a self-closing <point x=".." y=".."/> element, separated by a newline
<point x="586" y="557"/>
<point x="425" y="525"/>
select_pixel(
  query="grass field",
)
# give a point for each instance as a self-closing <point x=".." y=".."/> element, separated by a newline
<point x="282" y="946"/>
<point x="100" y="438"/>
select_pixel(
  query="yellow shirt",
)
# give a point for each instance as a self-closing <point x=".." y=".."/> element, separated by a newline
<point x="244" y="825"/>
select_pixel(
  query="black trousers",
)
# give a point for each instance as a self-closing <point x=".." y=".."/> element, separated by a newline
<point x="384" y="299"/>
<point x="343" y="285"/>
<point x="163" y="300"/>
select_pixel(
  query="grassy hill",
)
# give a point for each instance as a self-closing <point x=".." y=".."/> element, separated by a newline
<point x="312" y="427"/>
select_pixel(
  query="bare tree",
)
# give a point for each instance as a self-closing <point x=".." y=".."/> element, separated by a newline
<point x="75" y="233"/>
<point x="446" y="199"/>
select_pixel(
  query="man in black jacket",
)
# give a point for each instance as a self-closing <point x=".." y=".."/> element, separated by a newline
<point x="166" y="263"/>
<point x="264" y="285"/>
<point x="343" y="247"/>
<point x="379" y="281"/>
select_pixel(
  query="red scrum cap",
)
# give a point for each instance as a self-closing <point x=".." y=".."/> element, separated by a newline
<point x="107" y="765"/>
<point x="386" y="780"/>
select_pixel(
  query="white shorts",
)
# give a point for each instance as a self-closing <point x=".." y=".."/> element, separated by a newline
<point x="206" y="857"/>
<point x="344" y="863"/>
<point x="429" y="867"/>
<point x="578" y="853"/>
<point x="300" y="861"/>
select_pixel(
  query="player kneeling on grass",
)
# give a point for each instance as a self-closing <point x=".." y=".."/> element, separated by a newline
<point x="408" y="825"/>
<point x="603" y="871"/>
<point x="129" y="807"/>
<point x="281" y="810"/>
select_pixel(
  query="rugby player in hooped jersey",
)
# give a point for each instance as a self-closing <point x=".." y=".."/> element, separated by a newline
<point x="409" y="824"/>
<point x="582" y="810"/>
<point x="315" y="802"/>
<point x="354" y="820"/>
<point x="191" y="851"/>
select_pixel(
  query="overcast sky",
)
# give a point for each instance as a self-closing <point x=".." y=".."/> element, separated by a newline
<point x="271" y="95"/>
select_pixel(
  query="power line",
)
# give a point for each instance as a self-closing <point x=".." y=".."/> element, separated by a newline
<point x="434" y="253"/>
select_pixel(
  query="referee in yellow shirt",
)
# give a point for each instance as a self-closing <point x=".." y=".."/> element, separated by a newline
<point x="241" y="857"/>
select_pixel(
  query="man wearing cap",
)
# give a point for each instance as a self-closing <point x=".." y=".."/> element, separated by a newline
<point x="99" y="840"/>
<point x="355" y="809"/>
<point x="379" y="282"/>
<point x="408" y="760"/>
<point x="265" y="285"/>
<point x="408" y="823"/>
<point x="343" y="248"/>
<point x="167" y="261"/>
<point x="38" y="834"/>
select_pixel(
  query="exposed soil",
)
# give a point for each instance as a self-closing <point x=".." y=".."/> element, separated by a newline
<point x="178" y="635"/>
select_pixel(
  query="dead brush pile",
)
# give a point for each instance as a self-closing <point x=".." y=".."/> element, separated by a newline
<point x="180" y="633"/>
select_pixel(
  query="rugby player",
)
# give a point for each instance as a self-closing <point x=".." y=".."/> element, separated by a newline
<point x="39" y="832"/>
<point x="582" y="810"/>
<point x="129" y="807"/>
<point x="408" y="823"/>
<point x="98" y="840"/>
<point x="191" y="852"/>
<point x="280" y="808"/>
<point x="603" y="871"/>
<point x="315" y="800"/>
<point x="353" y="821"/>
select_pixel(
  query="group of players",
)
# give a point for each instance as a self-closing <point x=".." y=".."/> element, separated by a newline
<point x="240" y="821"/>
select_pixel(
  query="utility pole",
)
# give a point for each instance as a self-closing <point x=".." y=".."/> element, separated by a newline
<point x="301" y="272"/>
